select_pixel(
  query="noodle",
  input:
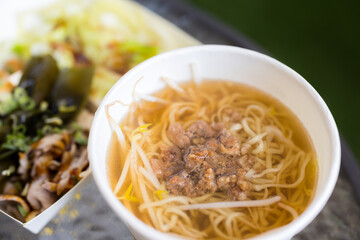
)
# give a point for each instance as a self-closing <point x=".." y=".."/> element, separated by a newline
<point x="252" y="203"/>
<point x="278" y="157"/>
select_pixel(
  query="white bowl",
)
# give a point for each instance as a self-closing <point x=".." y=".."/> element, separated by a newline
<point x="232" y="64"/>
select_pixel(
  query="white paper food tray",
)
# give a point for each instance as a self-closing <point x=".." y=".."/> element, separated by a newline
<point x="9" y="13"/>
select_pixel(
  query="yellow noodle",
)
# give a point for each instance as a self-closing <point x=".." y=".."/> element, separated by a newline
<point x="284" y="165"/>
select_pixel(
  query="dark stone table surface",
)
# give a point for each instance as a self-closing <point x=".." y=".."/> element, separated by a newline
<point x="87" y="216"/>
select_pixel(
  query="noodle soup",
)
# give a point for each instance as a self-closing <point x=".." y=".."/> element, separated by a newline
<point x="216" y="160"/>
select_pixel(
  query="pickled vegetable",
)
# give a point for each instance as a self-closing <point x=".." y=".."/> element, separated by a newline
<point x="71" y="91"/>
<point x="39" y="77"/>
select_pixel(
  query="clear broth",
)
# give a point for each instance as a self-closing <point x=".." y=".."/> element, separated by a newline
<point x="150" y="111"/>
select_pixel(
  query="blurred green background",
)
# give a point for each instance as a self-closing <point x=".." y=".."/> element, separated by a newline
<point x="318" y="39"/>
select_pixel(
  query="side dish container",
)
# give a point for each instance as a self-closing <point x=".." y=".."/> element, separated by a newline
<point x="171" y="37"/>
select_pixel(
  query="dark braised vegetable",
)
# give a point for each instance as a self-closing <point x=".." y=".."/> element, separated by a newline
<point x="34" y="125"/>
<point x="4" y="155"/>
<point x="45" y="101"/>
<point x="71" y="91"/>
<point x="6" y="125"/>
<point x="39" y="77"/>
<point x="8" y="165"/>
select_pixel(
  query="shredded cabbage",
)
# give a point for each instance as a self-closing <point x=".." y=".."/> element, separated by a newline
<point x="114" y="38"/>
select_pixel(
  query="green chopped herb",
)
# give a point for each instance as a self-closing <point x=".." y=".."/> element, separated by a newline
<point x="26" y="103"/>
<point x="43" y="106"/>
<point x="8" y="105"/>
<point x="25" y="190"/>
<point x="19" y="93"/>
<point x="19" y="98"/>
<point x="76" y="126"/>
<point x="9" y="171"/>
<point x="73" y="177"/>
<point x="22" y="210"/>
<point x="140" y="51"/>
<point x="54" y="121"/>
<point x="67" y="109"/>
<point x="80" y="138"/>
<point x="14" y="120"/>
<point x="19" y="49"/>
<point x="17" y="140"/>
<point x="129" y="46"/>
<point x="144" y="53"/>
<point x="18" y="186"/>
<point x="79" y="135"/>
<point x="5" y="96"/>
<point x="47" y="129"/>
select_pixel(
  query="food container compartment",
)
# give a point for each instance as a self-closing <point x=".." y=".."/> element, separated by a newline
<point x="170" y="37"/>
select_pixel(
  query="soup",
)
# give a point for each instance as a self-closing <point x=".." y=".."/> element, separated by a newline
<point x="218" y="160"/>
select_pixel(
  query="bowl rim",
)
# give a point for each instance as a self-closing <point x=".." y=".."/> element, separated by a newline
<point x="294" y="226"/>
